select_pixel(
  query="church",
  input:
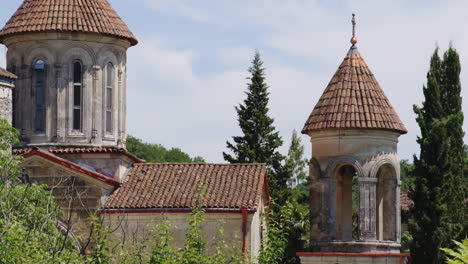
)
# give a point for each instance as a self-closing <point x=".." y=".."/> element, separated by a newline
<point x="65" y="91"/>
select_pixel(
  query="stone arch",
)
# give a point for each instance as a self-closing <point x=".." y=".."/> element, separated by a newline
<point x="382" y="161"/>
<point x="40" y="51"/>
<point x="387" y="199"/>
<point x="314" y="169"/>
<point x="344" y="159"/>
<point x="78" y="51"/>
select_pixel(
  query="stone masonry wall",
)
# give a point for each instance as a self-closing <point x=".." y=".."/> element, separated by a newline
<point x="5" y="102"/>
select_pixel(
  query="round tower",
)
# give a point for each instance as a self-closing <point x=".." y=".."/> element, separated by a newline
<point x="354" y="170"/>
<point x="70" y="59"/>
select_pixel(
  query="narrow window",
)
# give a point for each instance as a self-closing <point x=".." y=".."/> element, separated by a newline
<point x="39" y="88"/>
<point x="77" y="95"/>
<point x="109" y="95"/>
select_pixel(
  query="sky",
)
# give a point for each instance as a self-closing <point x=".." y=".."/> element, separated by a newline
<point x="189" y="69"/>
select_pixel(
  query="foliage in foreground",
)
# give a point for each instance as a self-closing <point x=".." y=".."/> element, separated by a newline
<point x="29" y="216"/>
<point x="459" y="255"/>
<point x="158" y="246"/>
<point x="157" y="153"/>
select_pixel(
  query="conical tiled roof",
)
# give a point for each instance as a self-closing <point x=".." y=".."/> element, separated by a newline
<point x="88" y="16"/>
<point x="353" y="99"/>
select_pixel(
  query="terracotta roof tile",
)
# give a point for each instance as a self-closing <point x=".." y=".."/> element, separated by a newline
<point x="353" y="99"/>
<point x="88" y="16"/>
<point x="405" y="201"/>
<point x="176" y="185"/>
<point x="80" y="150"/>
<point x="7" y="74"/>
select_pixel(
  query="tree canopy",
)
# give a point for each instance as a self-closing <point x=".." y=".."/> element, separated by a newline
<point x="155" y="153"/>
<point x="437" y="216"/>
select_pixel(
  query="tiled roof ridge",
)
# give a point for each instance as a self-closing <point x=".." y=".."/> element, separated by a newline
<point x="199" y="163"/>
<point x="87" y="16"/>
<point x="6" y="74"/>
<point x="353" y="99"/>
<point x="70" y="149"/>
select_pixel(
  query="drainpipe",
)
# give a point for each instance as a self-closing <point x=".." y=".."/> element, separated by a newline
<point x="244" y="230"/>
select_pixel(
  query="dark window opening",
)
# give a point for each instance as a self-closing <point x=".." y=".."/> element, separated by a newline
<point x="109" y="94"/>
<point x="39" y="89"/>
<point x="77" y="96"/>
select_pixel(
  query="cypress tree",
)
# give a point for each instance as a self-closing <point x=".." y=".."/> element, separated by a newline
<point x="259" y="142"/>
<point x="437" y="214"/>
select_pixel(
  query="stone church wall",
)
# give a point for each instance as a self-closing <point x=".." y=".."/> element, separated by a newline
<point x="6" y="101"/>
<point x="135" y="225"/>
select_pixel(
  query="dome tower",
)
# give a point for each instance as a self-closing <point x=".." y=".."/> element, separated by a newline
<point x="70" y="59"/>
<point x="354" y="171"/>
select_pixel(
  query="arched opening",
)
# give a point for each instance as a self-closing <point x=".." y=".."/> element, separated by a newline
<point x="39" y="94"/>
<point x="109" y="96"/>
<point x="77" y="95"/>
<point x="347" y="203"/>
<point x="385" y="203"/>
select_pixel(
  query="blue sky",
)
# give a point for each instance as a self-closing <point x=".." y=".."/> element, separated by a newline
<point x="189" y="69"/>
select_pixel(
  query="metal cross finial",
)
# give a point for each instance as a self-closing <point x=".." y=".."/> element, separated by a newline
<point x="353" y="21"/>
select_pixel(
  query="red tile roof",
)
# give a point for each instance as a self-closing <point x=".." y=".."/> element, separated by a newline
<point x="176" y="185"/>
<point x="88" y="16"/>
<point x="7" y="74"/>
<point x="81" y="150"/>
<point x="405" y="201"/>
<point x="353" y="99"/>
<point x="71" y="165"/>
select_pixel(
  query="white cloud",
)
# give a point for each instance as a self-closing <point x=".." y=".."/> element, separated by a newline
<point x="305" y="43"/>
<point x="235" y="56"/>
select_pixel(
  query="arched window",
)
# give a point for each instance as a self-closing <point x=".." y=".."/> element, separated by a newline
<point x="77" y="95"/>
<point x="39" y="89"/>
<point x="386" y="212"/>
<point x="347" y="203"/>
<point x="109" y="95"/>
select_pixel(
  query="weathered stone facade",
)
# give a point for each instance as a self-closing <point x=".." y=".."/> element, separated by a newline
<point x="85" y="108"/>
<point x="371" y="157"/>
<point x="6" y="98"/>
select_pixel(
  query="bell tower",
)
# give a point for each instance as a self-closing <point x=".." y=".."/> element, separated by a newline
<point x="354" y="170"/>
<point x="70" y="59"/>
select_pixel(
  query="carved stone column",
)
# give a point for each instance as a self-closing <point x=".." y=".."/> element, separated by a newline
<point x="398" y="211"/>
<point x="95" y="124"/>
<point x="60" y="104"/>
<point x="120" y="110"/>
<point x="367" y="212"/>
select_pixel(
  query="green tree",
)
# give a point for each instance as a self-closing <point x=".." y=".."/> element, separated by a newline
<point x="259" y="142"/>
<point x="29" y="215"/>
<point x="437" y="214"/>
<point x="157" y="153"/>
<point x="295" y="161"/>
<point x="406" y="175"/>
